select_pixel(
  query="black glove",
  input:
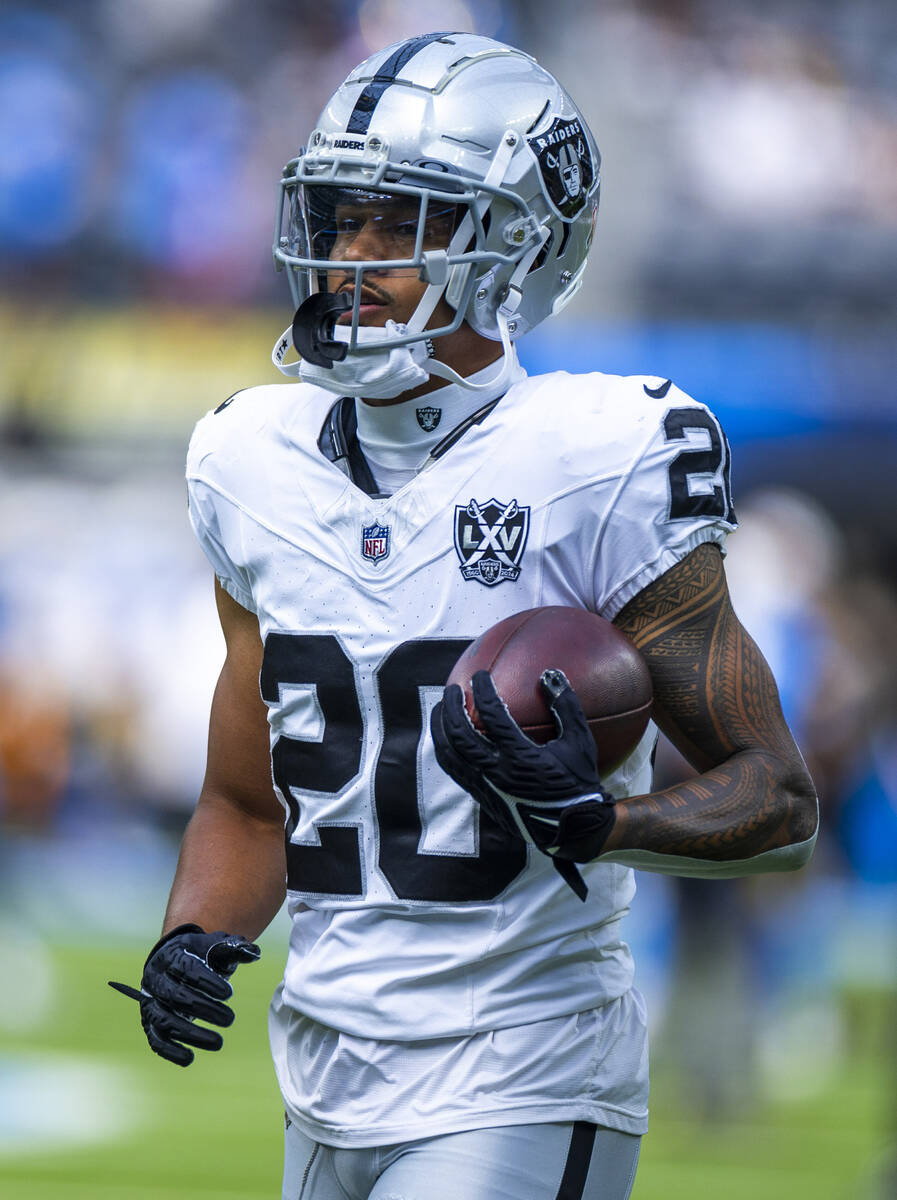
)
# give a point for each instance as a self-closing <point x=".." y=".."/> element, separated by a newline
<point x="549" y="795"/>
<point x="184" y="980"/>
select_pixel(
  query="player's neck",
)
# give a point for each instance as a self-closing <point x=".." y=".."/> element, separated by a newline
<point x="401" y="435"/>
<point x="464" y="351"/>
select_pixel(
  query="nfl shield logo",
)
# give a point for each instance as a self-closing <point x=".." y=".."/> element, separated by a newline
<point x="490" y="537"/>
<point x="375" y="542"/>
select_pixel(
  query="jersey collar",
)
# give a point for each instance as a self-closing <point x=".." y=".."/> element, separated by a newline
<point x="397" y="433"/>
<point x="402" y="435"/>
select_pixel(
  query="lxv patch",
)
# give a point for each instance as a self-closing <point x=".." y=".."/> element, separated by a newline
<point x="490" y="537"/>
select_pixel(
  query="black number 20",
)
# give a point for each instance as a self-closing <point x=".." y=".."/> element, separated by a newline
<point x="334" y="867"/>
<point x="716" y="458"/>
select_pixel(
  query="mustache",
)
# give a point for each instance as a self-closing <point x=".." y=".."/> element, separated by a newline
<point x="369" y="292"/>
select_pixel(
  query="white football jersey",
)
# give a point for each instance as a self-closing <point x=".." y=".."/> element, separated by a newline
<point x="414" y="917"/>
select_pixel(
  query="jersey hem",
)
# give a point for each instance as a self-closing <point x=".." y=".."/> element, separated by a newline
<point x="607" y="1116"/>
<point x="236" y="593"/>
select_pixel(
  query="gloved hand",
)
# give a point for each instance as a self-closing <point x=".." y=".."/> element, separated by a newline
<point x="184" y="980"/>
<point x="549" y="795"/>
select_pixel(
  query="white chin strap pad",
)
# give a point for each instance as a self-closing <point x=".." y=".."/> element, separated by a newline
<point x="389" y="373"/>
<point x="376" y="375"/>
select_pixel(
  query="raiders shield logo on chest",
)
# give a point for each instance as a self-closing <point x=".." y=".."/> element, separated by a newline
<point x="490" y="537"/>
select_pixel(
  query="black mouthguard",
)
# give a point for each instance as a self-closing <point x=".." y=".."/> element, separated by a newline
<point x="313" y="328"/>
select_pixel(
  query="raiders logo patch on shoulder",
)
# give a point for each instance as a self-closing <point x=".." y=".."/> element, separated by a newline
<point x="490" y="537"/>
<point x="566" y="164"/>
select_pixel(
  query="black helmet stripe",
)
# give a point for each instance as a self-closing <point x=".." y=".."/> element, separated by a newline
<point x="360" y="117"/>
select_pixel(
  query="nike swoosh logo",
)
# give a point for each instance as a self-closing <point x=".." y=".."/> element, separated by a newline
<point x="658" y="393"/>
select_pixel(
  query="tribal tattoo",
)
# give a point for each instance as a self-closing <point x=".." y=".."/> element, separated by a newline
<point x="717" y="702"/>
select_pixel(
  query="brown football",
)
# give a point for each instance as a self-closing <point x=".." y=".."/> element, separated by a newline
<point x="603" y="666"/>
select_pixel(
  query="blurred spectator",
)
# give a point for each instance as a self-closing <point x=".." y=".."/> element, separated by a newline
<point x="745" y="149"/>
<point x="109" y="647"/>
<point x="829" y="628"/>
<point x="50" y="121"/>
<point x="184" y="205"/>
<point x="34" y="754"/>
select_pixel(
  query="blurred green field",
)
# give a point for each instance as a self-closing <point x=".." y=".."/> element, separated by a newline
<point x="214" y="1130"/>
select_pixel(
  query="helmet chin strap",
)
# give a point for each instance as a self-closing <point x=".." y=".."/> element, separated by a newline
<point x="503" y="315"/>
<point x="392" y="371"/>
<point x="508" y="364"/>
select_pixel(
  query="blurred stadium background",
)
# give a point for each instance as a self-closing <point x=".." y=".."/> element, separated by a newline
<point x="747" y="246"/>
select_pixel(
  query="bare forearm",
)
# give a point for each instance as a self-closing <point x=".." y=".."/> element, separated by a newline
<point x="717" y="701"/>
<point x="231" y="871"/>
<point x="746" y="807"/>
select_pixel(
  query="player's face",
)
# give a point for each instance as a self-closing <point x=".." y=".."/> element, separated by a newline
<point x="385" y="228"/>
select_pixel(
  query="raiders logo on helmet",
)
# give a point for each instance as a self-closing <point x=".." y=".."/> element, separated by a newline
<point x="566" y="164"/>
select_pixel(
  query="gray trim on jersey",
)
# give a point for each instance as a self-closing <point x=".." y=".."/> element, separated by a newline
<point x="784" y="858"/>
<point x="552" y="1161"/>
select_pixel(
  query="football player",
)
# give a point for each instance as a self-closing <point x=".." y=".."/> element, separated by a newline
<point x="456" y="1017"/>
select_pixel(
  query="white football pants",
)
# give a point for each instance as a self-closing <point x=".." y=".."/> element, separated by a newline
<point x="570" y="1161"/>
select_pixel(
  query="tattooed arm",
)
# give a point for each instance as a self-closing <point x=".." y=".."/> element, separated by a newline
<point x="754" y="807"/>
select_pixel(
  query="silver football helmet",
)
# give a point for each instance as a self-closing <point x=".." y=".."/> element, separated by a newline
<point x="452" y="158"/>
